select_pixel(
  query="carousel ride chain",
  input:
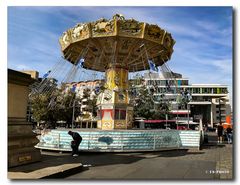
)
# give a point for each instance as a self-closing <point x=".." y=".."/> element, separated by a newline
<point x="119" y="47"/>
<point x="41" y="87"/>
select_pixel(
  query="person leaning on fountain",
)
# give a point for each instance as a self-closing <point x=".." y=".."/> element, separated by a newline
<point x="77" y="139"/>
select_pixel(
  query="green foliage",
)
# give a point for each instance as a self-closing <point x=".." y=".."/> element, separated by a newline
<point x="53" y="107"/>
<point x="39" y="106"/>
<point x="183" y="99"/>
<point x="145" y="105"/>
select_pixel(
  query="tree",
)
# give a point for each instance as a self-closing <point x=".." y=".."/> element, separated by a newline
<point x="64" y="106"/>
<point x="147" y="105"/>
<point x="142" y="101"/>
<point x="162" y="107"/>
<point x="184" y="98"/>
<point x="54" y="106"/>
<point x="40" y="108"/>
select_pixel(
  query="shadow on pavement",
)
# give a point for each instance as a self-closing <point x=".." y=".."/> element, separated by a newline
<point x="172" y="153"/>
<point x="87" y="159"/>
<point x="46" y="161"/>
<point x="212" y="146"/>
<point x="179" y="153"/>
<point x="99" y="159"/>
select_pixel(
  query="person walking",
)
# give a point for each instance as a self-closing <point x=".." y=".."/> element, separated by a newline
<point x="77" y="139"/>
<point x="220" y="133"/>
<point x="229" y="135"/>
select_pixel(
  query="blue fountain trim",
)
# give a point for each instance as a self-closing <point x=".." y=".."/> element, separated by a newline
<point x="123" y="140"/>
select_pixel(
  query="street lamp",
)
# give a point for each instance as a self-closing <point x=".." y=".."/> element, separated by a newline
<point x="219" y="109"/>
<point x="179" y="101"/>
<point x="75" y="104"/>
<point x="188" y="114"/>
<point x="73" y="119"/>
<point x="188" y="98"/>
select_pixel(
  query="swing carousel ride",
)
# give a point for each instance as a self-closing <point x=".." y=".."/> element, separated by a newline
<point x="117" y="47"/>
<point x="120" y="48"/>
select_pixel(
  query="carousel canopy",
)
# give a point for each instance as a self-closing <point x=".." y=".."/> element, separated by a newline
<point x="122" y="42"/>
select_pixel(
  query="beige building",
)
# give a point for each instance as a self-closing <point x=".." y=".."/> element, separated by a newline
<point x="87" y="117"/>
<point x="220" y="108"/>
<point x="34" y="74"/>
<point x="21" y="139"/>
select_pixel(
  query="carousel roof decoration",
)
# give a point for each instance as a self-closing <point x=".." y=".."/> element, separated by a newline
<point x="127" y="42"/>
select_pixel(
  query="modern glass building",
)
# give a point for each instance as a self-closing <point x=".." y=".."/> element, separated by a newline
<point x="210" y="102"/>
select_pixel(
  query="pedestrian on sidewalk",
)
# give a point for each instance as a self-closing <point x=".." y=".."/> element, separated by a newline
<point x="77" y="139"/>
<point x="220" y="133"/>
<point x="229" y="135"/>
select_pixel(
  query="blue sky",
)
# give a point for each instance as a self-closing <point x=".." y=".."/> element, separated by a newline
<point x="202" y="53"/>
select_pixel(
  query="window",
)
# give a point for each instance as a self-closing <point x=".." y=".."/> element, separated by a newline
<point x="206" y="90"/>
<point x="163" y="82"/>
<point x="107" y="114"/>
<point x="162" y="90"/>
<point x="211" y="90"/>
<point x="214" y="90"/>
<point x="190" y="90"/>
<point x="224" y="90"/>
<point x="184" y="82"/>
<point x="120" y="114"/>
<point x="179" y="82"/>
<point x="116" y="114"/>
<point x="158" y="82"/>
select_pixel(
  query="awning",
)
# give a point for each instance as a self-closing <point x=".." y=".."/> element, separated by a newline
<point x="158" y="121"/>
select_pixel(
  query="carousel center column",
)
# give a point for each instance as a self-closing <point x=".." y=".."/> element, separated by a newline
<point x="113" y="104"/>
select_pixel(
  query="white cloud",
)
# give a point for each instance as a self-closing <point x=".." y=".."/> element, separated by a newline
<point x="22" y="67"/>
<point x="203" y="49"/>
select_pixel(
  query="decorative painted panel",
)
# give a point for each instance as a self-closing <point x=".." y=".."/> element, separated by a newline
<point x="122" y="140"/>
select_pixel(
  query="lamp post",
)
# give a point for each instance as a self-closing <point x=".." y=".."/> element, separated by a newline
<point x="73" y="113"/>
<point x="166" y="117"/>
<point x="177" y="120"/>
<point x="220" y="114"/>
<point x="178" y="100"/>
<point x="188" y="98"/>
<point x="188" y="113"/>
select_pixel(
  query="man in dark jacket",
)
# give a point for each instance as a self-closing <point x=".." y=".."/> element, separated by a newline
<point x="75" y="142"/>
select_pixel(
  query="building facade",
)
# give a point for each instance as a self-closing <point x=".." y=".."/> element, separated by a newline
<point x="87" y="119"/>
<point x="210" y="102"/>
<point x="21" y="139"/>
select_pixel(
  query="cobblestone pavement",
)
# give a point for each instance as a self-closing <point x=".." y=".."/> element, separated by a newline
<point x="224" y="163"/>
<point x="214" y="161"/>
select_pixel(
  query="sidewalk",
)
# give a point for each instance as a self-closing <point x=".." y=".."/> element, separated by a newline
<point x="214" y="161"/>
<point x="224" y="157"/>
<point x="51" y="166"/>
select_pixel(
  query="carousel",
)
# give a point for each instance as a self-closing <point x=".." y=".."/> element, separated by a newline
<point x="115" y="49"/>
